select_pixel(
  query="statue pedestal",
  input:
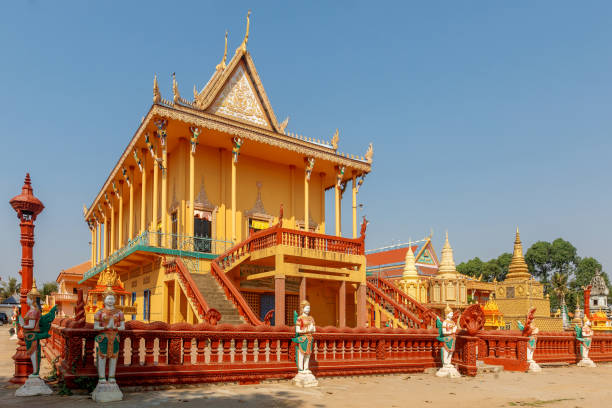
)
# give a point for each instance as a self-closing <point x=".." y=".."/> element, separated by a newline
<point x="305" y="379"/>
<point x="586" y="362"/>
<point x="448" y="371"/>
<point x="33" y="386"/>
<point x="534" y="367"/>
<point x="107" y="392"/>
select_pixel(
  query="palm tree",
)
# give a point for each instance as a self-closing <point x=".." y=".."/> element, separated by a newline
<point x="559" y="286"/>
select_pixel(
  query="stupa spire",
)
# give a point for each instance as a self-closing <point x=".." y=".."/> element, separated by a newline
<point x="410" y="269"/>
<point x="518" y="267"/>
<point x="447" y="264"/>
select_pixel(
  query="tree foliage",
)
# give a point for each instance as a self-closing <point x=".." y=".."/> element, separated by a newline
<point x="48" y="288"/>
<point x="494" y="269"/>
<point x="9" y="288"/>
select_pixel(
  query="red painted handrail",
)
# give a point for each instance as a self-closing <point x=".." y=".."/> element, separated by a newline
<point x="399" y="311"/>
<point x="191" y="287"/>
<point x="424" y="313"/>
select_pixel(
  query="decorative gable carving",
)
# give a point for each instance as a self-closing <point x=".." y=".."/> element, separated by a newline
<point x="238" y="100"/>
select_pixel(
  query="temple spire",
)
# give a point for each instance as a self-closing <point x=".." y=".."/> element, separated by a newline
<point x="410" y="269"/>
<point x="246" y="35"/>
<point x="518" y="268"/>
<point x="447" y="264"/>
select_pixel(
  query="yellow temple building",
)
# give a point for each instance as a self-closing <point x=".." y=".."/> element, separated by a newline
<point x="219" y="184"/>
<point x="520" y="291"/>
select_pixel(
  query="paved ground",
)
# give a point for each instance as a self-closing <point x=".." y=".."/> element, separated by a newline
<point x="554" y="387"/>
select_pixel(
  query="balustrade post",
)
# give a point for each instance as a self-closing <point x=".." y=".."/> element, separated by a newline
<point x="201" y="354"/>
<point x="89" y="351"/>
<point x="187" y="351"/>
<point x="226" y="357"/>
<point x="134" y="351"/>
<point x="238" y="346"/>
<point x="149" y="351"/>
<point x="250" y="355"/>
<point x="174" y="351"/>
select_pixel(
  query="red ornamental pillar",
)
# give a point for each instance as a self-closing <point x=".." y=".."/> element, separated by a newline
<point x="27" y="207"/>
<point x="587" y="302"/>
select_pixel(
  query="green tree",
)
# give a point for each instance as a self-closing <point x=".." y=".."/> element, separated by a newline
<point x="563" y="256"/>
<point x="491" y="270"/>
<point x="473" y="267"/>
<point x="538" y="259"/>
<point x="504" y="262"/>
<point x="48" y="288"/>
<point x="10" y="287"/>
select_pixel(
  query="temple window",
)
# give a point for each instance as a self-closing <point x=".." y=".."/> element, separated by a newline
<point x="256" y="225"/>
<point x="133" y="303"/>
<point x="174" y="223"/>
<point x="594" y="302"/>
<point x="146" y="305"/>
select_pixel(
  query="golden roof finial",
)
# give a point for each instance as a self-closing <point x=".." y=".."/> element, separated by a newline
<point x="156" y="95"/>
<point x="246" y="35"/>
<point x="175" y="90"/>
<point x="195" y="92"/>
<point x="335" y="139"/>
<point x="518" y="268"/>
<point x="369" y="153"/>
<point x="222" y="65"/>
<point x="447" y="309"/>
<point x="283" y="125"/>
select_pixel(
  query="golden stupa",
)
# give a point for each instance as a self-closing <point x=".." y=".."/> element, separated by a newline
<point x="520" y="291"/>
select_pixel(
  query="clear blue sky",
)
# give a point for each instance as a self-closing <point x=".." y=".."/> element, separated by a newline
<point x="484" y="115"/>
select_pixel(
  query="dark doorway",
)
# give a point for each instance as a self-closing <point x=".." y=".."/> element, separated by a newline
<point x="202" y="233"/>
<point x="266" y="303"/>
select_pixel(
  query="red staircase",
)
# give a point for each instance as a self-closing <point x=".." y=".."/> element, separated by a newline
<point x="403" y="307"/>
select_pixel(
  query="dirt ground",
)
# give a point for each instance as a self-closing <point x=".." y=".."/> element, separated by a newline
<point x="554" y="387"/>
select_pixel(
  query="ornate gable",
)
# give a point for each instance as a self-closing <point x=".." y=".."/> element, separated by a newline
<point x="239" y="100"/>
<point x="426" y="258"/>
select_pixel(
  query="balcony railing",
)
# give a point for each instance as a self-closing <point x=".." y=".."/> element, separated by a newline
<point x="65" y="297"/>
<point x="172" y="244"/>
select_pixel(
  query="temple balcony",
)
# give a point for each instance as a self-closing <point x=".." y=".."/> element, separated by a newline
<point x="150" y="244"/>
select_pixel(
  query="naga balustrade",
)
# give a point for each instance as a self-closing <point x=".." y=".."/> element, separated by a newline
<point x="504" y="348"/>
<point x="426" y="316"/>
<point x="159" y="353"/>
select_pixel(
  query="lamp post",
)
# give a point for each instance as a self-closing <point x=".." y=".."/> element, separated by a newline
<point x="27" y="207"/>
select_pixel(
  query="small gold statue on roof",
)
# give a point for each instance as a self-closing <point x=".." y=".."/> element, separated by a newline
<point x="156" y="94"/>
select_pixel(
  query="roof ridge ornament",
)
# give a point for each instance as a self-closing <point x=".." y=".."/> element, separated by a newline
<point x="370" y="153"/>
<point x="156" y="94"/>
<point x="335" y="139"/>
<point x="222" y="64"/>
<point x="175" y="91"/>
<point x="283" y="125"/>
<point x="246" y="35"/>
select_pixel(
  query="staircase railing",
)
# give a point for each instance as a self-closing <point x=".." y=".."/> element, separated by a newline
<point x="399" y="312"/>
<point x="205" y="312"/>
<point x="425" y="315"/>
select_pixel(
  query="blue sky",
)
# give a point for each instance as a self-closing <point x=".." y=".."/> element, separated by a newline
<point x="484" y="115"/>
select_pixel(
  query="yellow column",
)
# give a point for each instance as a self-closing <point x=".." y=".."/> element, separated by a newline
<point x="322" y="193"/>
<point x="131" y="217"/>
<point x="292" y="196"/>
<point x="143" y="193"/>
<point x="112" y="229"/>
<point x="93" y="245"/>
<point x="106" y="237"/>
<point x="234" y="201"/>
<point x="98" y="241"/>
<point x="306" y="200"/>
<point x="120" y="224"/>
<point x="176" y="307"/>
<point x="164" y="193"/>
<point x="354" y="205"/>
<point x="189" y="224"/>
<point x="155" y="195"/>
<point x="337" y="203"/>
